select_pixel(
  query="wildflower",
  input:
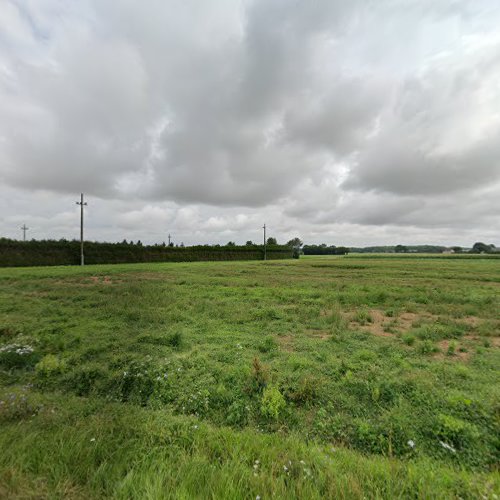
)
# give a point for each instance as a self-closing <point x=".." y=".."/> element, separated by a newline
<point x="302" y="462"/>
<point x="257" y="497"/>
<point x="285" y="468"/>
<point x="411" y="443"/>
<point x="446" y="446"/>
<point x="92" y="440"/>
<point x="195" y="427"/>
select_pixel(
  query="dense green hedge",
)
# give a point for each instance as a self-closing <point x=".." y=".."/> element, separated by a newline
<point x="57" y="253"/>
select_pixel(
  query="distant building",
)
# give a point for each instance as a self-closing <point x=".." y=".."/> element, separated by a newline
<point x="448" y="250"/>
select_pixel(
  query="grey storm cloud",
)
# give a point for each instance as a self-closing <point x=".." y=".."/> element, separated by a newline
<point x="333" y="112"/>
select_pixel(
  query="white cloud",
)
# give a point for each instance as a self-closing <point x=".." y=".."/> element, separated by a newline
<point x="334" y="120"/>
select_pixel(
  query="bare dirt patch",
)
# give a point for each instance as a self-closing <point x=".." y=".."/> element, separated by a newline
<point x="387" y="326"/>
<point x="319" y="334"/>
<point x="104" y="280"/>
<point x="457" y="354"/>
<point x="285" y="342"/>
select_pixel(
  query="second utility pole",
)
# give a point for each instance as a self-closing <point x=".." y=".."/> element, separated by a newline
<point x="265" y="249"/>
<point x="82" y="204"/>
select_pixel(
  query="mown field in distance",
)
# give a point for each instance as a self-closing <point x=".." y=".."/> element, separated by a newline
<point x="328" y="377"/>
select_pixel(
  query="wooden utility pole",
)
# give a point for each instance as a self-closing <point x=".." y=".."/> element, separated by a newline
<point x="82" y="204"/>
<point x="169" y="239"/>
<point x="265" y="243"/>
<point x="24" y="228"/>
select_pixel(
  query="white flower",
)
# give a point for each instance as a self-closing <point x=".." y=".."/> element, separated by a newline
<point x="92" y="440"/>
<point x="446" y="446"/>
<point x="285" y="468"/>
<point x="257" y="497"/>
<point x="411" y="443"/>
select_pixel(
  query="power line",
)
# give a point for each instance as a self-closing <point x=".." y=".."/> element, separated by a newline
<point x="24" y="229"/>
<point x="82" y="204"/>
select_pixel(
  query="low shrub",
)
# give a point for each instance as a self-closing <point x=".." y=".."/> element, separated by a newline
<point x="272" y="403"/>
<point x="50" y="365"/>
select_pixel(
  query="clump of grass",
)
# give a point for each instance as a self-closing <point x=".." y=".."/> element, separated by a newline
<point x="408" y="339"/>
<point x="306" y="391"/>
<point x="427" y="347"/>
<point x="363" y="317"/>
<point x="175" y="339"/>
<point x="268" y="344"/>
<point x="452" y="346"/>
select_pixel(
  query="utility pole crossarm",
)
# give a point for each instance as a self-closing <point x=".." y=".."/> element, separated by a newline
<point x="82" y="204"/>
<point x="24" y="229"/>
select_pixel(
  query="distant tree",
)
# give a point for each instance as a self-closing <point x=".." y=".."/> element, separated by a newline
<point x="124" y="242"/>
<point x="480" y="247"/>
<point x="272" y="241"/>
<point x="139" y="243"/>
<point x="230" y="244"/>
<point x="171" y="244"/>
<point x="295" y="243"/>
<point x="342" y="251"/>
<point x="182" y="244"/>
<point x="457" y="249"/>
<point x="249" y="243"/>
<point x="401" y="249"/>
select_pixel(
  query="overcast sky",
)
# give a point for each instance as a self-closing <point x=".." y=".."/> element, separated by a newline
<point x="353" y="122"/>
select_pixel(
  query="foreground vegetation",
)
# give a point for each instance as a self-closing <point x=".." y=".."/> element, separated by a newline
<point x="323" y="377"/>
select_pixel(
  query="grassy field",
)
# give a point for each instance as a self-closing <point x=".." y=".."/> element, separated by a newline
<point x="325" y="377"/>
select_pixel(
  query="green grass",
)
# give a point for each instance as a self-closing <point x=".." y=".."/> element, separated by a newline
<point x="325" y="377"/>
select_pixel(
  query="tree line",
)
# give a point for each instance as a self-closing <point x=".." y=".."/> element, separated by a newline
<point x="67" y="252"/>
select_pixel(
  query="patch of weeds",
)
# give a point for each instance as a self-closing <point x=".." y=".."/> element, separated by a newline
<point x="196" y="402"/>
<point x="408" y="339"/>
<point x="365" y="355"/>
<point x="238" y="413"/>
<point x="259" y="376"/>
<point x="175" y="340"/>
<point x="18" y="355"/>
<point x="268" y="344"/>
<point x="7" y="332"/>
<point x="272" y="403"/>
<point x="85" y="380"/>
<point x="49" y="366"/>
<point x="305" y="391"/>
<point x="452" y="346"/>
<point x="16" y="406"/>
<point x="363" y="317"/>
<point x="456" y="432"/>
<point x="427" y="347"/>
